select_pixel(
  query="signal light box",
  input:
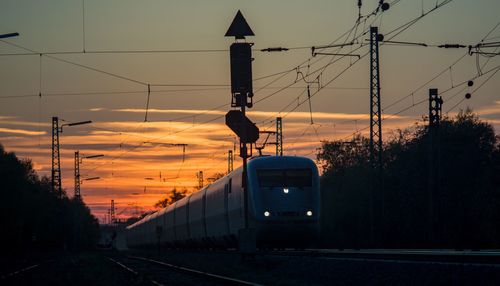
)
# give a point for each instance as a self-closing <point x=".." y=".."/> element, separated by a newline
<point x="242" y="126"/>
<point x="241" y="69"/>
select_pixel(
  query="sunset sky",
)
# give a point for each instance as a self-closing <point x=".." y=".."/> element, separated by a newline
<point x="178" y="48"/>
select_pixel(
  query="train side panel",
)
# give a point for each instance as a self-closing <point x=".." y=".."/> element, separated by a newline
<point x="161" y="225"/>
<point x="181" y="221"/>
<point x="169" y="223"/>
<point x="235" y="203"/>
<point x="197" y="217"/>
<point x="215" y="215"/>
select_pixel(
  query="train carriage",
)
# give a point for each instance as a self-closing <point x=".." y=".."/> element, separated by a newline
<point x="283" y="208"/>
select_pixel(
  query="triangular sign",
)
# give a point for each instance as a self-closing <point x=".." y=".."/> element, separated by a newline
<point x="239" y="27"/>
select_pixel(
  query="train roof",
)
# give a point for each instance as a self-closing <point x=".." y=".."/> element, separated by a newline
<point x="290" y="159"/>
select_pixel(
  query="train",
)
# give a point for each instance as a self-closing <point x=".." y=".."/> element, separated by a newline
<point x="283" y="209"/>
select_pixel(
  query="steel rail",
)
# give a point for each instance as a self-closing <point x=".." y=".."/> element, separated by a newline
<point x="446" y="256"/>
<point x="125" y="267"/>
<point x="224" y="279"/>
<point x="19" y="271"/>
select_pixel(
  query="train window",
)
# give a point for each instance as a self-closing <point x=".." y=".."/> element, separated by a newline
<point x="229" y="185"/>
<point x="271" y="178"/>
<point x="298" y="178"/>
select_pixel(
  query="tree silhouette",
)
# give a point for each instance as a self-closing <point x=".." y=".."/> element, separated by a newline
<point x="462" y="211"/>
<point x="174" y="196"/>
<point x="34" y="218"/>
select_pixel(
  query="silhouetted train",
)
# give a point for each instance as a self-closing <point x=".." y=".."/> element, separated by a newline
<point x="284" y="202"/>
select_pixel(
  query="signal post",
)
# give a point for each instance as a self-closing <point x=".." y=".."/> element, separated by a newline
<point x="236" y="120"/>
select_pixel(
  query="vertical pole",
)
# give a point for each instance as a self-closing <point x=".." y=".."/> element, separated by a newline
<point x="112" y="212"/>
<point x="56" y="159"/>
<point x="279" y="137"/>
<point x="244" y="155"/>
<point x="375" y="103"/>
<point x="77" y="175"/>
<point x="435" y="109"/>
<point x="200" y="180"/>
<point x="375" y="129"/>
<point x="230" y="159"/>
<point x="242" y="94"/>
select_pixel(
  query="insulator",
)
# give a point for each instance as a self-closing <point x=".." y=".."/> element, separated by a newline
<point x="470" y="83"/>
<point x="468" y="95"/>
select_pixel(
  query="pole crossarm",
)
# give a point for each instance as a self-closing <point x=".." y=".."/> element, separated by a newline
<point x="73" y="124"/>
<point x="166" y="144"/>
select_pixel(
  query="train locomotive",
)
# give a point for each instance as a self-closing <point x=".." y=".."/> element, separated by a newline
<point x="283" y="209"/>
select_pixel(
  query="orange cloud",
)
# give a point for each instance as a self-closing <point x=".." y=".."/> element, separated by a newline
<point x="128" y="160"/>
<point x="22" y="131"/>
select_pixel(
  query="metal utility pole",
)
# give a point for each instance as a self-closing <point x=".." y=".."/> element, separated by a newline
<point x="78" y="180"/>
<point x="56" y="184"/>
<point x="435" y="110"/>
<point x="241" y="96"/>
<point x="200" y="179"/>
<point x="279" y="137"/>
<point x="56" y="158"/>
<point x="77" y="175"/>
<point x="375" y="131"/>
<point x="112" y="212"/>
<point x="278" y="142"/>
<point x="230" y="160"/>
<point x="375" y="109"/>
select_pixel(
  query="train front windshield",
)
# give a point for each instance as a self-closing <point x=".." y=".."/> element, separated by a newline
<point x="290" y="178"/>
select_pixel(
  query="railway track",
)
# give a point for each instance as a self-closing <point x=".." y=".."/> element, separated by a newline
<point x="490" y="257"/>
<point x="162" y="273"/>
<point x="327" y="266"/>
<point x="20" y="271"/>
<point x="483" y="257"/>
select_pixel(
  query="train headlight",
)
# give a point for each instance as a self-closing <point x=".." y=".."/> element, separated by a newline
<point x="285" y="190"/>
<point x="309" y="213"/>
<point x="266" y="213"/>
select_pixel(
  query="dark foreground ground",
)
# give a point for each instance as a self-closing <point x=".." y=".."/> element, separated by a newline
<point x="93" y="268"/>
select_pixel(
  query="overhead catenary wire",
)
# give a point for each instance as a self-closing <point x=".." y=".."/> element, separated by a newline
<point x="320" y="86"/>
<point x="424" y="84"/>
<point x="477" y="88"/>
<point x="332" y="60"/>
<point x="267" y="95"/>
<point x="359" y="130"/>
<point x="140" y="92"/>
<point x="442" y="72"/>
<point x="291" y="70"/>
<point x="296" y="81"/>
<point x="83" y="26"/>
<point x="205" y="122"/>
<point x="401" y="29"/>
<point x="160" y="51"/>
<point x="147" y="104"/>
